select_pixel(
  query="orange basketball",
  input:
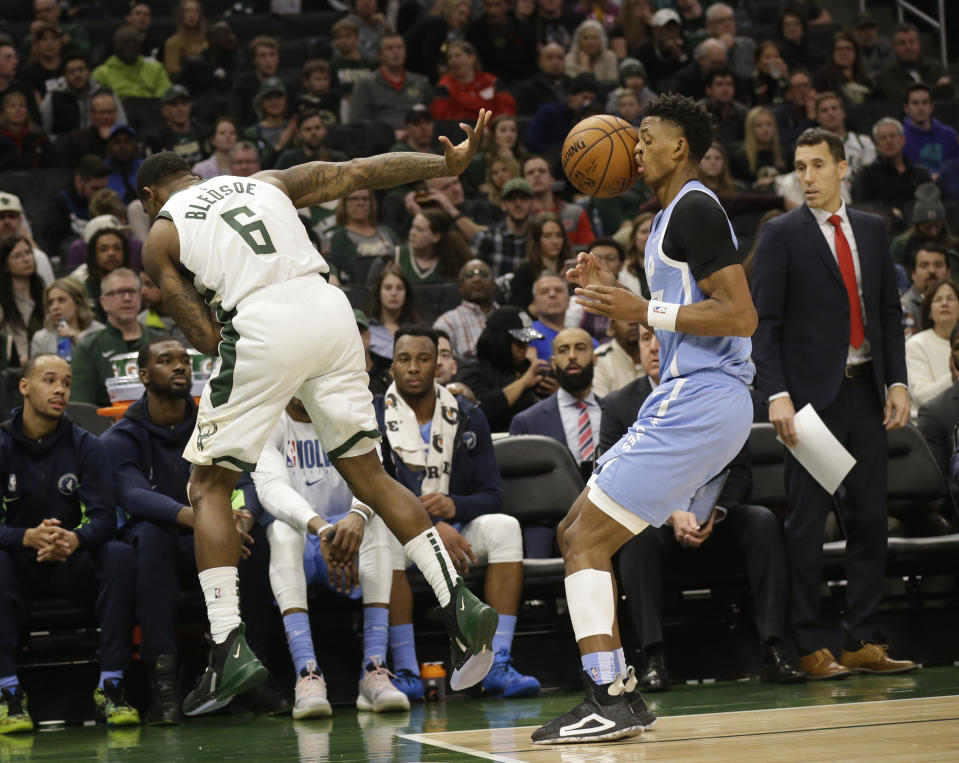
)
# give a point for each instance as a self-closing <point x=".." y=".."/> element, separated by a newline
<point x="598" y="156"/>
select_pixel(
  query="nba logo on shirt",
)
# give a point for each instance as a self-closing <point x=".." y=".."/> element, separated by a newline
<point x="291" y="454"/>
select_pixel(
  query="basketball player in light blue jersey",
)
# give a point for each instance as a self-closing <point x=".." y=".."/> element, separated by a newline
<point x="688" y="428"/>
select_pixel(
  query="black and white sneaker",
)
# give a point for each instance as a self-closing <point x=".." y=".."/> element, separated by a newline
<point x="636" y="702"/>
<point x="232" y="669"/>
<point x="604" y="714"/>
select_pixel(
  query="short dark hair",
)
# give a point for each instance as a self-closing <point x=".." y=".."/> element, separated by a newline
<point x="915" y="86"/>
<point x="929" y="245"/>
<point x="91" y="166"/>
<point x="904" y="27"/>
<point x="73" y="54"/>
<point x="31" y="363"/>
<point x="143" y="357"/>
<point x="442" y="334"/>
<point x="417" y="329"/>
<point x="816" y="135"/>
<point x="717" y="71"/>
<point x="609" y="241"/>
<point x="695" y="122"/>
<point x="158" y="167"/>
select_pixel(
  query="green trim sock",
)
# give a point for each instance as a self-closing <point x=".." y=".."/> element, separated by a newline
<point x="403" y="648"/>
<point x="429" y="554"/>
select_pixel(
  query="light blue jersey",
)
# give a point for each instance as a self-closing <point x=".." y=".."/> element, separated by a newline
<point x="672" y="280"/>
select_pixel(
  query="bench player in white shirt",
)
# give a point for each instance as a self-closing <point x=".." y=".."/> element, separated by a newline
<point x="283" y="331"/>
<point x="297" y="484"/>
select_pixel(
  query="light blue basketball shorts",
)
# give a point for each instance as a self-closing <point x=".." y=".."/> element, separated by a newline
<point x="686" y="433"/>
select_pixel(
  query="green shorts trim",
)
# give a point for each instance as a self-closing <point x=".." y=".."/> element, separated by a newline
<point x="221" y="385"/>
<point x="243" y="466"/>
<point x="373" y="434"/>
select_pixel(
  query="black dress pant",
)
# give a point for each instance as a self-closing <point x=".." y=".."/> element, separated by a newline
<point x="102" y="577"/>
<point x="855" y="418"/>
<point x="749" y="535"/>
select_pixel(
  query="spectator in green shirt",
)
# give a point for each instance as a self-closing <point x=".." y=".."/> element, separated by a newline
<point x="129" y="74"/>
<point x="120" y="298"/>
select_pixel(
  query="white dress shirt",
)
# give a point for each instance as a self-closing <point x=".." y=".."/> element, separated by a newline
<point x="569" y="413"/>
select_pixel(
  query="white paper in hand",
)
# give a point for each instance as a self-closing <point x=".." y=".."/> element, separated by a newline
<point x="820" y="453"/>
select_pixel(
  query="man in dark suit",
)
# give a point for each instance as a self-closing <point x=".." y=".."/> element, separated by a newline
<point x="737" y="532"/>
<point x="572" y="415"/>
<point x="830" y="335"/>
<point x="938" y="417"/>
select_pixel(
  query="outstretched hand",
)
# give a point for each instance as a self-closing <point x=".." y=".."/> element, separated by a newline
<point x="590" y="270"/>
<point x="459" y="156"/>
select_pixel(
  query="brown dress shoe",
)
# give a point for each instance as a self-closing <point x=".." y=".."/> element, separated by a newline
<point x="874" y="658"/>
<point x="822" y="666"/>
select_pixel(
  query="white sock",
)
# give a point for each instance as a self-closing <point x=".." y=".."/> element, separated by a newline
<point x="220" y="589"/>
<point x="429" y="554"/>
<point x="620" y="661"/>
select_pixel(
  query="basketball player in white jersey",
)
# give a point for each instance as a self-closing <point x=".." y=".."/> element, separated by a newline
<point x="283" y="331"/>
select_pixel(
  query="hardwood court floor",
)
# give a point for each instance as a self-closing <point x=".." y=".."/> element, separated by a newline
<point x="909" y="718"/>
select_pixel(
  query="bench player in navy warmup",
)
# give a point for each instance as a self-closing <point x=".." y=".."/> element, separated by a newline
<point x="283" y="331"/>
<point x="688" y="428"/>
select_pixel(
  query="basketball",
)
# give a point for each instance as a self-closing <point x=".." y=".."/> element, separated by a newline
<point x="598" y="156"/>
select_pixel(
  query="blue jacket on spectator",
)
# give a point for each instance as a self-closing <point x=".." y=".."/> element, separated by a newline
<point x="474" y="475"/>
<point x="150" y="471"/>
<point x="930" y="148"/>
<point x="65" y="476"/>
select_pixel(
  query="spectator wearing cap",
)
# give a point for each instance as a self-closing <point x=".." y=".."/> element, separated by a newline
<point x="928" y="226"/>
<point x="892" y="179"/>
<point x="273" y="132"/>
<point x="104" y="114"/>
<point x="691" y="79"/>
<point x="740" y="51"/>
<point x="549" y="126"/>
<point x="465" y="88"/>
<point x="502" y="245"/>
<point x="465" y="322"/>
<point x="96" y="224"/>
<point x="720" y="101"/>
<point x="310" y="134"/>
<point x="929" y="143"/>
<point x="419" y="132"/>
<point x="69" y="106"/>
<point x="388" y="94"/>
<point x="910" y="67"/>
<point x="505" y="45"/>
<point x="590" y="53"/>
<point x="45" y="68"/>
<point x="632" y="76"/>
<point x="875" y="52"/>
<point x="72" y="202"/>
<point x="315" y="92"/>
<point x="549" y="84"/>
<point x="180" y="134"/>
<point x="664" y="54"/>
<point x="13" y="223"/>
<point x="215" y="69"/>
<point x="506" y="376"/>
<point x="348" y="63"/>
<point x="265" y="53"/>
<point x="23" y="144"/>
<point x="127" y="73"/>
<point x="124" y="160"/>
<point x="189" y="39"/>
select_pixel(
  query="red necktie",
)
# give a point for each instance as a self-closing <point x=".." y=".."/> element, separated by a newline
<point x="586" y="447"/>
<point x="848" y="271"/>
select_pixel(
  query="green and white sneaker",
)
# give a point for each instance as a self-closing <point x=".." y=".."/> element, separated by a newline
<point x="112" y="704"/>
<point x="471" y="625"/>
<point x="14" y="716"/>
<point x="232" y="669"/>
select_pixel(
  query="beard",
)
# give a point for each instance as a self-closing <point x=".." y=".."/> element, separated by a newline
<point x="575" y="382"/>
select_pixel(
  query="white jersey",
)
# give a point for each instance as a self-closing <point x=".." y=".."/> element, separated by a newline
<point x="294" y="478"/>
<point x="238" y="235"/>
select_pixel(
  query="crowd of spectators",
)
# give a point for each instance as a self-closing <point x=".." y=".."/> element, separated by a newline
<point x="86" y="109"/>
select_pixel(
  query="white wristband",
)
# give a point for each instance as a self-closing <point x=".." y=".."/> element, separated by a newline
<point x="354" y="510"/>
<point x="323" y="529"/>
<point x="662" y="315"/>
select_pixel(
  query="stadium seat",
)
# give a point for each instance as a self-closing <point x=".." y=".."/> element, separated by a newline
<point x="307" y="24"/>
<point x="37" y="190"/>
<point x="143" y="114"/>
<point x="540" y="483"/>
<point x="434" y="299"/>
<point x="86" y="416"/>
<point x="768" y="456"/>
<point x="363" y="139"/>
<point x="359" y="296"/>
<point x="10" y="396"/>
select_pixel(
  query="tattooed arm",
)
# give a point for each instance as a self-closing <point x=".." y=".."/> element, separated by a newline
<point x="161" y="253"/>
<point x="316" y="182"/>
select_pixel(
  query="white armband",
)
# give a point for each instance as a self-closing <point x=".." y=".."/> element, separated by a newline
<point x="354" y="510"/>
<point x="323" y="529"/>
<point x="662" y="315"/>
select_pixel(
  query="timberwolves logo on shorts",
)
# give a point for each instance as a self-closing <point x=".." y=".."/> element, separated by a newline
<point x="68" y="484"/>
<point x="204" y="432"/>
